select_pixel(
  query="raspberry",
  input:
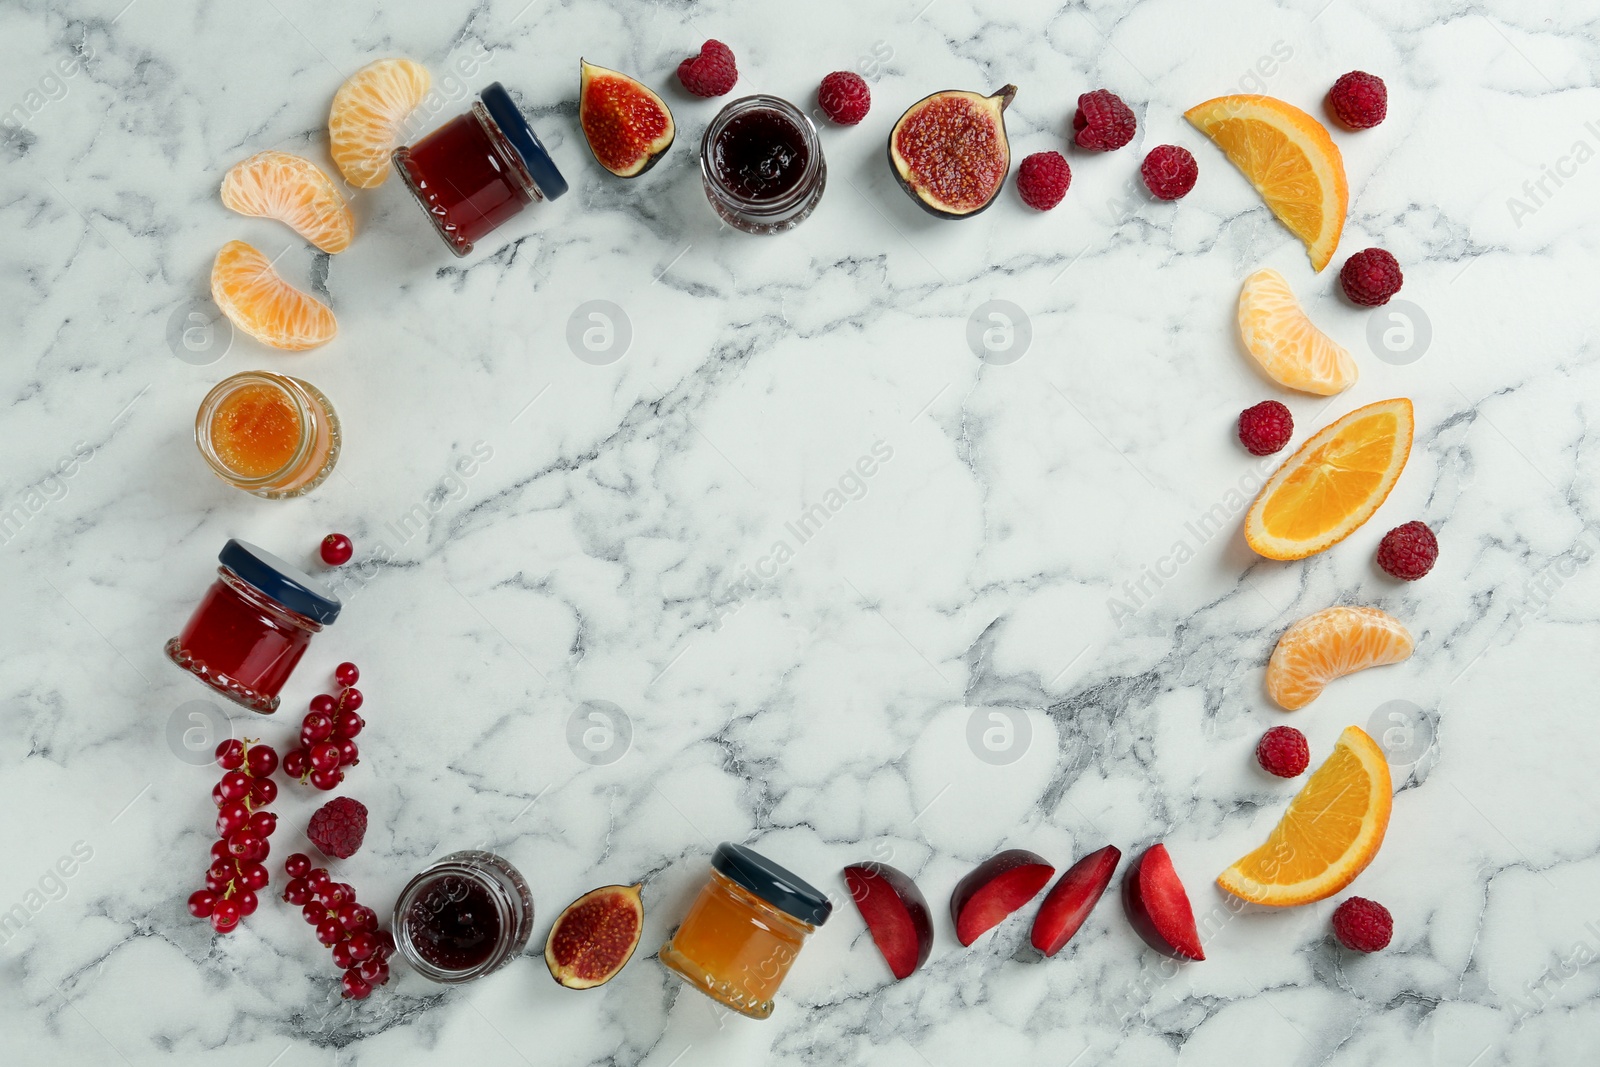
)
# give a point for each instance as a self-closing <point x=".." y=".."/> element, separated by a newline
<point x="1359" y="100"/>
<point x="1103" y="122"/>
<point x="1043" y="179"/>
<point x="1283" y="751"/>
<point x="1169" y="172"/>
<point x="1408" y="551"/>
<point x="711" y="73"/>
<point x="1265" y="428"/>
<point x="844" y="97"/>
<point x="338" y="827"/>
<point x="1371" y="277"/>
<point x="1363" y="925"/>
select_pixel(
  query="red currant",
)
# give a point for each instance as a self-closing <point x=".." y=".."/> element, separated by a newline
<point x="219" y="850"/>
<point x="331" y="896"/>
<point x="246" y="901"/>
<point x="201" y="901"/>
<point x="327" y="779"/>
<point x="351" y="699"/>
<point x="263" y="791"/>
<point x="297" y="892"/>
<point x="323" y="704"/>
<point x="349" y="754"/>
<point x="231" y="819"/>
<point x="324" y="756"/>
<point x="347" y="724"/>
<point x="337" y="550"/>
<point x="369" y="918"/>
<point x="386" y="945"/>
<point x="224" y="916"/>
<point x="297" y="764"/>
<point x="262" y="823"/>
<point x="313" y="913"/>
<point x="329" y="932"/>
<point x="341" y="955"/>
<point x="298" y="865"/>
<point x="252" y="875"/>
<point x="350" y="916"/>
<point x="235" y="785"/>
<point x="216" y="795"/>
<point x="242" y="842"/>
<point x="347" y="674"/>
<point x="355" y="986"/>
<point x="262" y="760"/>
<point x="230" y="754"/>
<point x="362" y="945"/>
<point x="374" y="969"/>
<point x="315" y="727"/>
<point x="318" y="878"/>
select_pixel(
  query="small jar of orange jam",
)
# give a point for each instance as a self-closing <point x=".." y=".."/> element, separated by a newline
<point x="744" y="930"/>
<point x="268" y="434"/>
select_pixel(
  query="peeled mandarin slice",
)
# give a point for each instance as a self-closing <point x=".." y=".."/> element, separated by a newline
<point x="1333" y="483"/>
<point x="1330" y="833"/>
<point x="1290" y="159"/>
<point x="277" y="185"/>
<point x="263" y="305"/>
<point x="1280" y="337"/>
<point x="1331" y="644"/>
<point x="365" y="119"/>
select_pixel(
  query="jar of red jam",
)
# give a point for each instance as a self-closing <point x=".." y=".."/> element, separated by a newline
<point x="252" y="626"/>
<point x="761" y="164"/>
<point x="464" y="917"/>
<point x="478" y="170"/>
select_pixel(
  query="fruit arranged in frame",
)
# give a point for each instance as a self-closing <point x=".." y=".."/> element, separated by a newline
<point x="1289" y="158"/>
<point x="1158" y="907"/>
<point x="950" y="151"/>
<point x="896" y="913"/>
<point x="1282" y="339"/>
<point x="1265" y="428"/>
<point x="277" y="185"/>
<point x="994" y="889"/>
<point x="1359" y="100"/>
<point x="1043" y="179"/>
<point x="364" y="122"/>
<point x="1333" y="483"/>
<point x="1328" y="835"/>
<point x="263" y="305"/>
<point x="348" y="928"/>
<point x="1283" y="751"/>
<point x="1072" y="898"/>
<point x="235" y="872"/>
<point x="1102" y="123"/>
<point x="844" y="97"/>
<point x="1330" y="644"/>
<point x="594" y="937"/>
<point x="628" y="126"/>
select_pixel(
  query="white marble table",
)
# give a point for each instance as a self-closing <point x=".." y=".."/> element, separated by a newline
<point x="619" y="545"/>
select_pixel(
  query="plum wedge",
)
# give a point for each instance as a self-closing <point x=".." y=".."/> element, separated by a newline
<point x="896" y="913"/>
<point x="1159" y="908"/>
<point x="1073" y="898"/>
<point x="994" y="889"/>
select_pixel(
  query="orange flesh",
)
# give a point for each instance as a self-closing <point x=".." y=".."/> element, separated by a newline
<point x="955" y="151"/>
<point x="727" y="934"/>
<point x="255" y="431"/>
<point x="1280" y="167"/>
<point x="1305" y="505"/>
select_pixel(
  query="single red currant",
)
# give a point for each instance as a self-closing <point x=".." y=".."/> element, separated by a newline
<point x="201" y="901"/>
<point x="329" y="932"/>
<point x="216" y="795"/>
<point x="315" y="727"/>
<point x="350" y="916"/>
<point x="235" y="785"/>
<point x="337" y="550"/>
<point x="362" y="945"/>
<point x="297" y="764"/>
<point x="263" y="791"/>
<point x="328" y="779"/>
<point x="356" y="987"/>
<point x="342" y="958"/>
<point x="243" y="843"/>
<point x="230" y="754"/>
<point x="374" y="969"/>
<point x="349" y="754"/>
<point x="386" y="945"/>
<point x="324" y="756"/>
<point x="262" y="823"/>
<point x="347" y="724"/>
<point x="298" y="865"/>
<point x="351" y="699"/>
<point x="324" y="704"/>
<point x="317" y="878"/>
<point x="231" y="819"/>
<point x="219" y="850"/>
<point x="246" y="901"/>
<point x="296" y="892"/>
<point x="252" y="875"/>
<point x="313" y="913"/>
<point x="224" y="916"/>
<point x="346" y="674"/>
<point x="262" y="760"/>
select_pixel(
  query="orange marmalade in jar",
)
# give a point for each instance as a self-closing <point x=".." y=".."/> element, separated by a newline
<point x="268" y="434"/>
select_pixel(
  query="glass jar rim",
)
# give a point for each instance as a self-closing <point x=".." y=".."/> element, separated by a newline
<point x="468" y="866"/>
<point x="516" y="166"/>
<point x="808" y="131"/>
<point x="289" y="387"/>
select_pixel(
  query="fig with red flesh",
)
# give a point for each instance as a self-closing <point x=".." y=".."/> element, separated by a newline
<point x="1072" y="899"/>
<point x="950" y="151"/>
<point x="896" y="914"/>
<point x="994" y="889"/>
<point x="595" y="936"/>
<point x="1158" y="907"/>
<point x="628" y="127"/>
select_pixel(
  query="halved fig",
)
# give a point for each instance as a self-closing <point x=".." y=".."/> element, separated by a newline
<point x="896" y="914"/>
<point x="1073" y="898"/>
<point x="950" y="151"/>
<point x="996" y="887"/>
<point x="1159" y="908"/>
<point x="628" y="127"/>
<point x="594" y="937"/>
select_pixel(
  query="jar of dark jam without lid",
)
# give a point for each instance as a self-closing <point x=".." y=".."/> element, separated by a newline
<point x="478" y="170"/>
<point x="466" y="916"/>
<point x="761" y="164"/>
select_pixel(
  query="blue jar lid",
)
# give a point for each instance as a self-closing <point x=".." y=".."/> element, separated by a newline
<point x="773" y="884"/>
<point x="280" y="581"/>
<point x="510" y="119"/>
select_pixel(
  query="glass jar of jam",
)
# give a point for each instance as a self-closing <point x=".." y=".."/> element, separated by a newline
<point x="744" y="930"/>
<point x="252" y="626"/>
<point x="761" y="164"/>
<point x="268" y="434"/>
<point x="467" y="915"/>
<point x="478" y="170"/>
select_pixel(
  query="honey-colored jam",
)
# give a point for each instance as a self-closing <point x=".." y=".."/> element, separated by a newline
<point x="256" y="431"/>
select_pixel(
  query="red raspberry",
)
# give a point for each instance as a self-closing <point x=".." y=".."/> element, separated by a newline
<point x="1359" y="100"/>
<point x="338" y="827"/>
<point x="1371" y="277"/>
<point x="711" y="73"/>
<point x="1265" y="428"/>
<point x="844" y="97"/>
<point x="1283" y="751"/>
<point x="1103" y="122"/>
<point x="1169" y="172"/>
<point x="1043" y="179"/>
<point x="1408" y="552"/>
<point x="1363" y="925"/>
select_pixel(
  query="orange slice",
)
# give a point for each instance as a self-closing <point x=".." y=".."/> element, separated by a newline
<point x="1333" y="483"/>
<point x="277" y="185"/>
<point x="263" y="305"/>
<point x="1282" y="339"/>
<point x="1289" y="158"/>
<point x="1331" y="644"/>
<point x="365" y="120"/>
<point x="1330" y="833"/>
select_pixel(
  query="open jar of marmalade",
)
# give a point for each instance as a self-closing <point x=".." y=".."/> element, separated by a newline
<point x="268" y="434"/>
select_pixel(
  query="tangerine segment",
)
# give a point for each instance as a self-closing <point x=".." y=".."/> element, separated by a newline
<point x="277" y="185"/>
<point x="263" y="305"/>
<point x="368" y="109"/>
<point x="1290" y="159"/>
<point x="1333" y="483"/>
<point x="1279" y="335"/>
<point x="1330" y="644"/>
<point x="1330" y="832"/>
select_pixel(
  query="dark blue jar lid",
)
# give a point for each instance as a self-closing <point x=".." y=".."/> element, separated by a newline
<point x="280" y="581"/>
<point x="773" y="884"/>
<point x="510" y="119"/>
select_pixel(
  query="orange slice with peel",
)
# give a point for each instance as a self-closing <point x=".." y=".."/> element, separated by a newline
<point x="364" y="123"/>
<point x="1290" y="159"/>
<point x="1329" y="834"/>
<point x="263" y="305"/>
<point x="1333" y="483"/>
<point x="1330" y="644"/>
<point x="277" y="185"/>
<point x="1290" y="349"/>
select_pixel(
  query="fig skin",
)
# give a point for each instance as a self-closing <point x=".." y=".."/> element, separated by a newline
<point x="624" y="897"/>
<point x="587" y="73"/>
<point x="998" y="101"/>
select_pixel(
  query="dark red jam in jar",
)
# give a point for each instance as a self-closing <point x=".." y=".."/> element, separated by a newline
<point x="761" y="164"/>
<point x="478" y="170"/>
<point x="252" y="626"/>
<point x="464" y="917"/>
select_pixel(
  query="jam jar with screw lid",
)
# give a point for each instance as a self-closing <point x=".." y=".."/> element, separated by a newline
<point x="464" y="917"/>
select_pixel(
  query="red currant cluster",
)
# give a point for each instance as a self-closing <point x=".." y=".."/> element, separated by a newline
<point x="350" y="929"/>
<point x="328" y="733"/>
<point x="236" y="870"/>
